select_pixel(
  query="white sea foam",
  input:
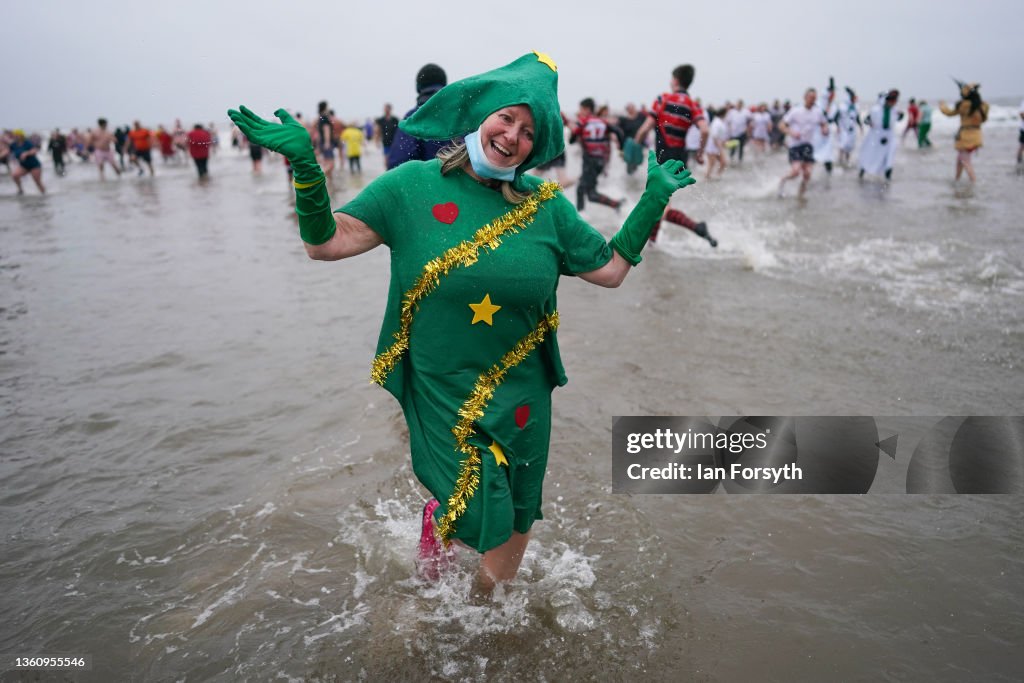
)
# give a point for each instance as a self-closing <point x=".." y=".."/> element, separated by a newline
<point x="925" y="275"/>
<point x="267" y="509"/>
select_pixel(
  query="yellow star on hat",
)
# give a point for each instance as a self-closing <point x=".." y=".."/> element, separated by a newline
<point x="484" y="311"/>
<point x="545" y="58"/>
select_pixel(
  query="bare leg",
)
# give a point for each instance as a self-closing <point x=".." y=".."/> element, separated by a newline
<point x="794" y="171"/>
<point x="37" y="175"/>
<point x="969" y="167"/>
<point x="806" y="172"/>
<point x="16" y="177"/>
<point x="500" y="564"/>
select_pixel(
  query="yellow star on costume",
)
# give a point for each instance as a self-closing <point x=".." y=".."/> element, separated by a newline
<point x="545" y="58"/>
<point x="499" y="455"/>
<point x="484" y="311"/>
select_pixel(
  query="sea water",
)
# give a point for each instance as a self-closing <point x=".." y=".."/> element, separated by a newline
<point x="200" y="483"/>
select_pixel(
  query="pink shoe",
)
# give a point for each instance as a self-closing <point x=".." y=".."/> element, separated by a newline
<point x="433" y="558"/>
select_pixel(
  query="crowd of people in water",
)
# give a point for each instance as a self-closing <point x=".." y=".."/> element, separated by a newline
<point x="479" y="137"/>
<point x="827" y="127"/>
<point x="103" y="146"/>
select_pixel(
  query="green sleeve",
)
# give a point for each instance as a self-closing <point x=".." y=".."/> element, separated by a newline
<point x="377" y="204"/>
<point x="583" y="247"/>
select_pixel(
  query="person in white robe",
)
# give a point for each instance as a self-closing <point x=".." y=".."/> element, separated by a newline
<point x="848" y="122"/>
<point x="824" y="150"/>
<point x="878" y="151"/>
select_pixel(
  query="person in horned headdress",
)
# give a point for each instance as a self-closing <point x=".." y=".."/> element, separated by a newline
<point x="972" y="112"/>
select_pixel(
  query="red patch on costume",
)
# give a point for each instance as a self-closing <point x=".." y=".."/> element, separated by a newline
<point x="522" y="415"/>
<point x="446" y="213"/>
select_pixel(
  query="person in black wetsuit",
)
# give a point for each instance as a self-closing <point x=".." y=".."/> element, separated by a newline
<point x="385" y="129"/>
<point x="120" y="136"/>
<point x="58" y="147"/>
<point x="325" y="139"/>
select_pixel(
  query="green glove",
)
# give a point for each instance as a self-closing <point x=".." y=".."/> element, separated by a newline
<point x="662" y="181"/>
<point x="288" y="138"/>
<point x="312" y="203"/>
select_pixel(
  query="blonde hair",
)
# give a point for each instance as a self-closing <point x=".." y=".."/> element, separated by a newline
<point x="456" y="156"/>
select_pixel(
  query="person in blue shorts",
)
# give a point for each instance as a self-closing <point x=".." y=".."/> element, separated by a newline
<point x="24" y="151"/>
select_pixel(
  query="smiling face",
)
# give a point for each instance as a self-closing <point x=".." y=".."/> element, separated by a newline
<point x="507" y="136"/>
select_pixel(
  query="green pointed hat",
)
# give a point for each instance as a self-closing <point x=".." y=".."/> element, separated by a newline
<point x="460" y="107"/>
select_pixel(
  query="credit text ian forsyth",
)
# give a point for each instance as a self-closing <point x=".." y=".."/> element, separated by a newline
<point x="667" y="440"/>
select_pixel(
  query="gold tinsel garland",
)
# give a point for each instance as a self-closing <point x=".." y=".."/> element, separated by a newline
<point x="472" y="410"/>
<point x="464" y="254"/>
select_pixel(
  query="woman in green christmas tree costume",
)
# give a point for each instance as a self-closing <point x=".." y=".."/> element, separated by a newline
<point x="468" y="345"/>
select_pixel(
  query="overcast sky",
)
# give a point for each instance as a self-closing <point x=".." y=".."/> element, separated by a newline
<point x="67" y="62"/>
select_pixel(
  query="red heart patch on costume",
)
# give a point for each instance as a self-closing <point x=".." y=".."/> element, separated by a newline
<point x="446" y="213"/>
<point x="522" y="415"/>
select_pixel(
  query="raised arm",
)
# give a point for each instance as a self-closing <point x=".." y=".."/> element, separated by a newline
<point x="610" y="274"/>
<point x="629" y="241"/>
<point x="351" y="237"/>
<point x="327" y="236"/>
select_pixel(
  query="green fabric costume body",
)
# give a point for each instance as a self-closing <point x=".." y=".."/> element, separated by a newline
<point x="422" y="215"/>
<point x="468" y="345"/>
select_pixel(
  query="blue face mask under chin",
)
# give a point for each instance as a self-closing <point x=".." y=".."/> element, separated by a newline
<point x="483" y="167"/>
